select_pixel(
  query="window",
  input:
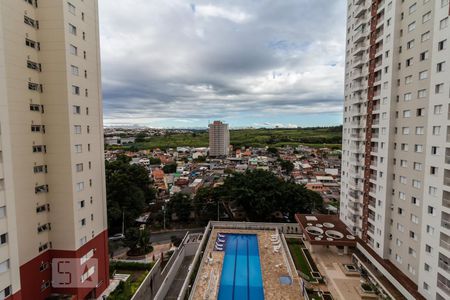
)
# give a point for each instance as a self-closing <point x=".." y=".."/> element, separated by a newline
<point x="434" y="150"/>
<point x="407" y="97"/>
<point x="32" y="44"/>
<point x="410" y="44"/>
<point x="72" y="29"/>
<point x="401" y="195"/>
<point x="432" y="190"/>
<point x="74" y="70"/>
<point x="425" y="36"/>
<point x="42" y="208"/>
<point x="418" y="148"/>
<point x="408" y="79"/>
<point x="73" y="50"/>
<point x="398" y="258"/>
<point x="423" y="75"/>
<point x="439" y="88"/>
<point x="82" y="203"/>
<point x="430" y="229"/>
<point x="35" y="87"/>
<point x="428" y="248"/>
<point x="406" y="113"/>
<point x="402" y="179"/>
<point x="4" y="266"/>
<point x="440" y="67"/>
<point x="438" y="109"/>
<point x="420" y="112"/>
<point x="436" y="130"/>
<point x="2" y="212"/>
<point x="3" y="238"/>
<point x="416" y="183"/>
<point x="40" y="169"/>
<point x="83" y="240"/>
<point x="442" y="45"/>
<point x="417" y="166"/>
<point x="29" y="21"/>
<point x="35" y="107"/>
<point x="443" y="23"/>
<point x="83" y="222"/>
<point x="411" y="269"/>
<point x="404" y="147"/>
<point x="71" y="8"/>
<point x="430" y="210"/>
<point x="45" y="227"/>
<point x="405" y="130"/>
<point x="427" y="268"/>
<point x="412" y="235"/>
<point x="409" y="62"/>
<point x="433" y="170"/>
<point x="411" y="26"/>
<point x="78" y="148"/>
<point x="76" y="109"/>
<point x="77" y="129"/>
<point x="412" y="252"/>
<point x="412" y="8"/>
<point x="424" y="55"/>
<point x="79" y="167"/>
<point x="415" y="201"/>
<point x="426" y="17"/>
<point x="79" y="186"/>
<point x="75" y="90"/>
<point x="39" y="148"/>
<point x="422" y="93"/>
<point x="420" y="130"/>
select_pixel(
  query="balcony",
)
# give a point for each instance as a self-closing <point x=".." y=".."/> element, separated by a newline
<point x="444" y="284"/>
<point x="359" y="11"/>
<point x="444" y="263"/>
<point x="445" y="241"/>
<point x="445" y="221"/>
<point x="360" y="35"/>
<point x="359" y="48"/>
<point x="447" y="177"/>
<point x="446" y="199"/>
<point x="358" y="62"/>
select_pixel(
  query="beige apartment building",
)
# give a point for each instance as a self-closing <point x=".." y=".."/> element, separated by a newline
<point x="396" y="139"/>
<point x="219" y="139"/>
<point x="52" y="185"/>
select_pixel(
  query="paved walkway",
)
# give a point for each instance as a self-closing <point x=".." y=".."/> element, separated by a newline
<point x="178" y="282"/>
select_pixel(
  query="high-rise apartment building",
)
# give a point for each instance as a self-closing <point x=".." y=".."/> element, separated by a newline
<point x="219" y="139"/>
<point x="52" y="185"/>
<point x="396" y="136"/>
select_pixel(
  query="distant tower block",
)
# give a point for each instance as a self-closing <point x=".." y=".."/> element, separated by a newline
<point x="219" y="139"/>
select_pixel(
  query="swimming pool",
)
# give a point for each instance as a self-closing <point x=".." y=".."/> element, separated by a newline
<point x="241" y="272"/>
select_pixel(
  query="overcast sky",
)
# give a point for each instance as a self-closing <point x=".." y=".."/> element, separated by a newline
<point x="175" y="63"/>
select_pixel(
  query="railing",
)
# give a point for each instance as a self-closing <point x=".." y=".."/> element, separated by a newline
<point x="447" y="181"/>
<point x="444" y="244"/>
<point x="443" y="287"/>
<point x="446" y="202"/>
<point x="444" y="266"/>
<point x="445" y="224"/>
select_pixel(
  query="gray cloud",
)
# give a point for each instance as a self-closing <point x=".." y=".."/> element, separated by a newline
<point x="190" y="61"/>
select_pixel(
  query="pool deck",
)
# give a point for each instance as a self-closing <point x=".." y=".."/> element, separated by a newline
<point x="273" y="265"/>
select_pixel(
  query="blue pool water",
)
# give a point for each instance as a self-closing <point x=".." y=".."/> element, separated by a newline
<point x="241" y="272"/>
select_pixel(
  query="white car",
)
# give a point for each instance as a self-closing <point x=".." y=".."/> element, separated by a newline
<point x="116" y="237"/>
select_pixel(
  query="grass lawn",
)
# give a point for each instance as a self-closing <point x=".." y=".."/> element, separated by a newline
<point x="299" y="259"/>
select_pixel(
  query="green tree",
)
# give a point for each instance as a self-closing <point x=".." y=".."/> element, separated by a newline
<point x="181" y="205"/>
<point x="140" y="137"/>
<point x="154" y="160"/>
<point x="128" y="191"/>
<point x="272" y="150"/>
<point x="170" y="168"/>
<point x="287" y="166"/>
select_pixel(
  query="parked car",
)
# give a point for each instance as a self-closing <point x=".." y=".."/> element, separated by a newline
<point x="116" y="237"/>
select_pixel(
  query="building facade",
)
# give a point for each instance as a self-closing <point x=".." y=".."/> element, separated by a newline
<point x="396" y="136"/>
<point x="219" y="139"/>
<point x="52" y="185"/>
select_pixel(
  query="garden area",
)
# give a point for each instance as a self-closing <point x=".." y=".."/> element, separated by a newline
<point x="126" y="289"/>
<point x="303" y="260"/>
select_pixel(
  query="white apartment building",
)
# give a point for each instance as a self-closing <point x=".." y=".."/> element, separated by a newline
<point x="396" y="137"/>
<point x="219" y="139"/>
<point x="52" y="185"/>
